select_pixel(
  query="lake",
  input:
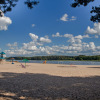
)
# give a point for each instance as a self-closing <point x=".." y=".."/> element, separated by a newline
<point x="65" y="62"/>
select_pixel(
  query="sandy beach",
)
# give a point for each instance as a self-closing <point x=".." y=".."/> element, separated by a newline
<point x="49" y="82"/>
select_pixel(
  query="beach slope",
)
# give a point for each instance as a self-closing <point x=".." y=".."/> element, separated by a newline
<point x="49" y="82"/>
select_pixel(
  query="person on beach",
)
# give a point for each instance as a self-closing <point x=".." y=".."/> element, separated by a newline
<point x="44" y="62"/>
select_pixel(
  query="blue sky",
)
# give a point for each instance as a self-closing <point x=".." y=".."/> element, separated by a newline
<point x="50" y="28"/>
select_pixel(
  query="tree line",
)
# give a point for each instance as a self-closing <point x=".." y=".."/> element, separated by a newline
<point x="80" y="57"/>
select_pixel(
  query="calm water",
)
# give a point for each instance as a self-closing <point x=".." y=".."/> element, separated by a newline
<point x="65" y="62"/>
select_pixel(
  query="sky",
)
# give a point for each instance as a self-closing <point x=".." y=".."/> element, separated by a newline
<point x="52" y="27"/>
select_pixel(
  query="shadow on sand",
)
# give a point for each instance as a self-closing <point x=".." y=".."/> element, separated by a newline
<point x="26" y="86"/>
<point x="93" y="67"/>
<point x="67" y="66"/>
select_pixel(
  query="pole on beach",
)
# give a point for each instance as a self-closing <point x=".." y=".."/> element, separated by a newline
<point x="25" y="60"/>
<point x="25" y="63"/>
<point x="12" y="60"/>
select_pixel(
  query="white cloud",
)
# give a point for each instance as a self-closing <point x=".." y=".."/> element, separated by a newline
<point x="79" y="37"/>
<point x="65" y="18"/>
<point x="4" y="22"/>
<point x="74" y="46"/>
<point x="12" y="46"/>
<point x="36" y="42"/>
<point x="65" y="35"/>
<point x="29" y="46"/>
<point x="73" y="18"/>
<point x="74" y="40"/>
<point x="9" y="45"/>
<point x="56" y="35"/>
<point x="96" y="36"/>
<point x="33" y="36"/>
<point x="86" y="36"/>
<point x="46" y="40"/>
<point x="36" y="39"/>
<point x="92" y="45"/>
<point x="32" y="48"/>
<point x="15" y="44"/>
<point x="68" y="35"/>
<point x="95" y="30"/>
<point x="91" y="31"/>
<point x="33" y="25"/>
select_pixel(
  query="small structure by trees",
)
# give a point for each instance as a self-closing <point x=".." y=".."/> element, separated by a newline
<point x="2" y="58"/>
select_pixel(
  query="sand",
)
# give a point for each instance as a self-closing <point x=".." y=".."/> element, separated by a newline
<point x="53" y="69"/>
<point x="49" y="82"/>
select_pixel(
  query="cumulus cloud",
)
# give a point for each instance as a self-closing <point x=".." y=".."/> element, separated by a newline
<point x="74" y="46"/>
<point x="86" y="36"/>
<point x="56" y="35"/>
<point x="39" y="40"/>
<point x="77" y="39"/>
<point x="18" y="52"/>
<point x="95" y="30"/>
<point x="66" y="18"/>
<point x="96" y="36"/>
<point x="46" y="40"/>
<point x="31" y="48"/>
<point x="81" y="37"/>
<point x="4" y="22"/>
<point x="13" y="45"/>
<point x="92" y="45"/>
<point x="68" y="35"/>
<point x="77" y="46"/>
<point x="33" y="36"/>
<point x="36" y="41"/>
<point x="91" y="31"/>
<point x="74" y="40"/>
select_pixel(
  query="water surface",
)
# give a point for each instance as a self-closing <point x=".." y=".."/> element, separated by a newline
<point x="65" y="62"/>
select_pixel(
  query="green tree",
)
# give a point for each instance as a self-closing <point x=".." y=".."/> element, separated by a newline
<point x="96" y="10"/>
<point x="7" y="5"/>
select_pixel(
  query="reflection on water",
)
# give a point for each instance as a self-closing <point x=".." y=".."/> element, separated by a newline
<point x="65" y="62"/>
